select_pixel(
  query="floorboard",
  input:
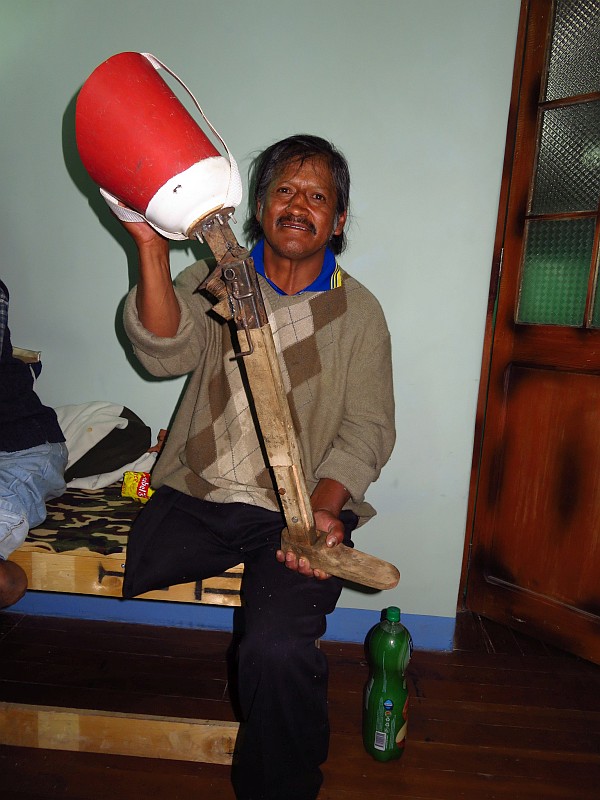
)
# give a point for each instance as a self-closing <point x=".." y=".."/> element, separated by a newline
<point x="500" y="717"/>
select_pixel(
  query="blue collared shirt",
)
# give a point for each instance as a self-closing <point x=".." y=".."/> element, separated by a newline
<point x="330" y="276"/>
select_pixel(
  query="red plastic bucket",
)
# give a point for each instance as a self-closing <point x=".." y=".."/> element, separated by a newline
<point x="139" y="144"/>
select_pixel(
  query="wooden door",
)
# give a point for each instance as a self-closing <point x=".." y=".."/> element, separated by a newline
<point x="532" y="555"/>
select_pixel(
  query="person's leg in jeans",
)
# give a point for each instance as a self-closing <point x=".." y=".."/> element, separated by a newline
<point x="28" y="478"/>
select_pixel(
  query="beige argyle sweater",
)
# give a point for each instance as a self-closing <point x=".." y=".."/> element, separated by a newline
<point x="334" y="352"/>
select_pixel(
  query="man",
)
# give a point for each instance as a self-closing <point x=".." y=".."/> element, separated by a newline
<point x="215" y="503"/>
<point x="33" y="458"/>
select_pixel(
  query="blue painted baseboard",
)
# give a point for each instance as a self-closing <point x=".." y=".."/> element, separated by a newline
<point x="344" y="625"/>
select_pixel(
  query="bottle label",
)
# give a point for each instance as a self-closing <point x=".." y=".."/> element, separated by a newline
<point x="388" y="736"/>
<point x="380" y="740"/>
<point x="382" y="737"/>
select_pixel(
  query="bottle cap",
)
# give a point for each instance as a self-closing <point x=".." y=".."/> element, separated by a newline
<point x="393" y="614"/>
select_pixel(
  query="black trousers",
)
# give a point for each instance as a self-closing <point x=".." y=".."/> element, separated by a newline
<point x="284" y="735"/>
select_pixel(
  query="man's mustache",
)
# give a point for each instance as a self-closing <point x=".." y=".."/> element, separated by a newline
<point x="292" y="220"/>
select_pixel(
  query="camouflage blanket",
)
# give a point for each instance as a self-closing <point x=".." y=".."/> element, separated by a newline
<point x="92" y="519"/>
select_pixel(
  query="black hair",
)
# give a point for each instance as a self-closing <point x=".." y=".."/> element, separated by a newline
<point x="271" y="161"/>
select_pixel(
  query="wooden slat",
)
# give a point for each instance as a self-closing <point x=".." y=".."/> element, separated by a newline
<point x="75" y="729"/>
<point x="85" y="572"/>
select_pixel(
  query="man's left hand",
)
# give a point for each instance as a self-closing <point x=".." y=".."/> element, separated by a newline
<point x="328" y="525"/>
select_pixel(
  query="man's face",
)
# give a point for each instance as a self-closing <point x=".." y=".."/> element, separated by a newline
<point x="298" y="216"/>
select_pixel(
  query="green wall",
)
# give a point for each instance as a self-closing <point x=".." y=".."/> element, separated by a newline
<point x="415" y="93"/>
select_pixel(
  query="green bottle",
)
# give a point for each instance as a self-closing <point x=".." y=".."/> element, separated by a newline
<point x="389" y="647"/>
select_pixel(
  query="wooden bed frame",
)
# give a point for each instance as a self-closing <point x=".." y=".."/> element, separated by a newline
<point x="81" y="549"/>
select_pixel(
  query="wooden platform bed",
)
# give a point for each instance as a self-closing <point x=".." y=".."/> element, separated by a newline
<point x="81" y="549"/>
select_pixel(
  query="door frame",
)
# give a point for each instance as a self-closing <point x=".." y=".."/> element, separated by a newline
<point x="524" y="36"/>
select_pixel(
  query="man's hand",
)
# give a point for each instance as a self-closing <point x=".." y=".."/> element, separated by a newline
<point x="328" y="524"/>
<point x="327" y="500"/>
<point x="143" y="233"/>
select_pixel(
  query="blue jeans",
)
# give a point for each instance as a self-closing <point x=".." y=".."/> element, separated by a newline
<point x="27" y="479"/>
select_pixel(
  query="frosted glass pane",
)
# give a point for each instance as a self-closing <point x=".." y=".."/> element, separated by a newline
<point x="568" y="168"/>
<point x="556" y="267"/>
<point x="575" y="54"/>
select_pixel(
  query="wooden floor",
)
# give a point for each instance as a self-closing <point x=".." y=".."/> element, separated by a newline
<point x="502" y="716"/>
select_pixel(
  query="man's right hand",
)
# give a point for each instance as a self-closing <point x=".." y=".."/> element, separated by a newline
<point x="143" y="233"/>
